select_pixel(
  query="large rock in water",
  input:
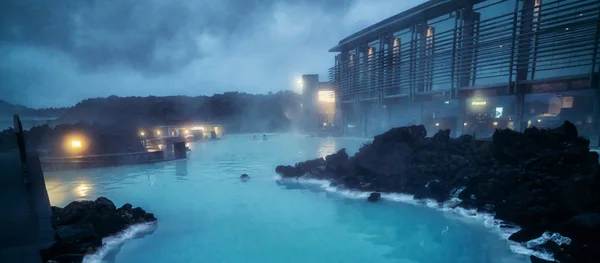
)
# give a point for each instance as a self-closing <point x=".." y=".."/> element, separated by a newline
<point x="540" y="179"/>
<point x="80" y="226"/>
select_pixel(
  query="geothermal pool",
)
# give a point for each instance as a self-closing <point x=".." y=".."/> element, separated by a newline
<point x="205" y="214"/>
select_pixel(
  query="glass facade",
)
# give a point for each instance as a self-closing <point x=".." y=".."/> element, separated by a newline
<point x="547" y="110"/>
<point x="507" y="45"/>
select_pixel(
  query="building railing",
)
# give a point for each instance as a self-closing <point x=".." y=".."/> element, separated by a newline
<point x="536" y="42"/>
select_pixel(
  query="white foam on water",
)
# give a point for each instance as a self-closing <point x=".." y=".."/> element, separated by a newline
<point x="112" y="242"/>
<point x="463" y="214"/>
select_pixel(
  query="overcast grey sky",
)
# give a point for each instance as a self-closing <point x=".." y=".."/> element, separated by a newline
<point x="56" y="53"/>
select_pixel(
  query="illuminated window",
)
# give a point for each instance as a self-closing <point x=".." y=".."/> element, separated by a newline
<point x="326" y="96"/>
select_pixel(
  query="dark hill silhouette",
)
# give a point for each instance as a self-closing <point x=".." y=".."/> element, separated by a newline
<point x="237" y="112"/>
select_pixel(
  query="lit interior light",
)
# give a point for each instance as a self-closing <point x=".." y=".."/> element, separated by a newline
<point x="142" y="134"/>
<point x="567" y="29"/>
<point x="326" y="96"/>
<point x="479" y="103"/>
<point x="447" y="102"/>
<point x="465" y="124"/>
<point x="187" y="144"/>
<point x="324" y="123"/>
<point x="157" y="132"/>
<point x="76" y="144"/>
<point x="186" y="132"/>
<point x="160" y="146"/>
<point x="539" y="120"/>
<point x="198" y="128"/>
<point x="437" y="124"/>
<point x="495" y="124"/>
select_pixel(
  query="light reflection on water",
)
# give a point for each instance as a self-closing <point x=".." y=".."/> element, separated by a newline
<point x="327" y="147"/>
<point x="206" y="214"/>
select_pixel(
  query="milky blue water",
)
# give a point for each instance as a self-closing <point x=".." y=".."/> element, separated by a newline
<point x="205" y="214"/>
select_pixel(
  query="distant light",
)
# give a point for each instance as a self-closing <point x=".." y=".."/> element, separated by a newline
<point x="300" y="82"/>
<point x="198" y="128"/>
<point x="567" y="28"/>
<point x="186" y="131"/>
<point x="465" y="124"/>
<point x="76" y="144"/>
<point x="479" y="103"/>
<point x="501" y="45"/>
<point x="187" y="144"/>
<point x="447" y="102"/>
<point x="157" y="132"/>
<point x="539" y="120"/>
<point x="437" y="124"/>
<point x="142" y="134"/>
<point x="580" y="14"/>
<point x="324" y="123"/>
<point x="495" y="124"/>
<point x="160" y="146"/>
<point x="326" y="96"/>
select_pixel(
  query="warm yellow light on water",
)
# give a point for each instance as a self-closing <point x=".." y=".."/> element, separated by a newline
<point x="76" y="144"/>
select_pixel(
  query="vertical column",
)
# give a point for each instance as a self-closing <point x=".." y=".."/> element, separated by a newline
<point x="422" y="47"/>
<point x="595" y="82"/>
<point x="466" y="47"/>
<point x="522" y="58"/>
<point x="460" y="120"/>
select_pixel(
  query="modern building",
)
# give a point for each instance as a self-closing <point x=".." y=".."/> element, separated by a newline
<point x="319" y="105"/>
<point x="473" y="66"/>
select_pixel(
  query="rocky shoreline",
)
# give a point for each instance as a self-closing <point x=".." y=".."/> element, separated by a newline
<point x="80" y="226"/>
<point x="541" y="180"/>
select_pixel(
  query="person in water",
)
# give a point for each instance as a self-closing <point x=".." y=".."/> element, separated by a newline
<point x="264" y="137"/>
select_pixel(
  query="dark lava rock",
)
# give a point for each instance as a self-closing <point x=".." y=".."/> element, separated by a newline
<point x="526" y="234"/>
<point x="80" y="226"/>
<point x="374" y="197"/>
<point x="244" y="177"/>
<point x="535" y="259"/>
<point x="583" y="227"/>
<point x="104" y="205"/>
<point x="538" y="179"/>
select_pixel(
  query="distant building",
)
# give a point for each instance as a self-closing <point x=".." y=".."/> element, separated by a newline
<point x="319" y="104"/>
<point x="473" y="66"/>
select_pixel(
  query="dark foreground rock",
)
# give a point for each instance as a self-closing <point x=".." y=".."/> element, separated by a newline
<point x="374" y="197"/>
<point x="80" y="226"/>
<point x="543" y="180"/>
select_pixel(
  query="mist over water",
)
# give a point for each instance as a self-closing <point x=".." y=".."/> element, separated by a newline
<point x="206" y="214"/>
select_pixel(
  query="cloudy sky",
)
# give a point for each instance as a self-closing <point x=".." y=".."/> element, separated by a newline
<point x="56" y="53"/>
